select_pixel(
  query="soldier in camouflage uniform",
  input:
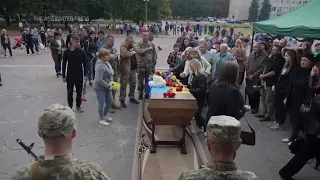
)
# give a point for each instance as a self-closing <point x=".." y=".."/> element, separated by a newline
<point x="56" y="126"/>
<point x="223" y="142"/>
<point x="128" y="71"/>
<point x="146" y="59"/>
<point x="155" y="50"/>
<point x="114" y="61"/>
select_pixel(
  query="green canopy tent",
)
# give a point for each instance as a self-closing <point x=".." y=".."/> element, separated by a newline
<point x="301" y="23"/>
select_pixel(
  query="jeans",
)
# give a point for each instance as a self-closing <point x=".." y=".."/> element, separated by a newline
<point x="104" y="102"/>
<point x="57" y="63"/>
<point x="5" y="47"/>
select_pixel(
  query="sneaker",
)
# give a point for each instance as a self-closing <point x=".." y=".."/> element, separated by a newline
<point x="289" y="143"/>
<point x="276" y="127"/>
<point x="6" y="56"/>
<point x="123" y="104"/>
<point x="133" y="100"/>
<point x="79" y="109"/>
<point x="286" y="140"/>
<point x="57" y="75"/>
<point x="28" y="54"/>
<point x="107" y="119"/>
<point x="104" y="123"/>
<point x="205" y="134"/>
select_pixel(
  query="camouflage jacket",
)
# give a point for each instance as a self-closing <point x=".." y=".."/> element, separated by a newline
<point x="218" y="171"/>
<point x="125" y="58"/>
<point x="146" y="55"/>
<point x="63" y="168"/>
<point x="114" y="60"/>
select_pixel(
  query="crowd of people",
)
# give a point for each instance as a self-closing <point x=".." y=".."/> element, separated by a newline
<point x="282" y="77"/>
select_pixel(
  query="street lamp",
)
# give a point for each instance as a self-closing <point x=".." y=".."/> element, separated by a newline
<point x="146" y="10"/>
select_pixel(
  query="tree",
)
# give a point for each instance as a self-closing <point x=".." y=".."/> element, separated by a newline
<point x="265" y="10"/>
<point x="254" y="11"/>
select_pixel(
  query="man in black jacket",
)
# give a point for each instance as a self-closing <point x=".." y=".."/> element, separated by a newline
<point x="269" y="78"/>
<point x="76" y="59"/>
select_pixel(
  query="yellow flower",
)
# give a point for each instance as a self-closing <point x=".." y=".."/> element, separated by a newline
<point x="115" y="86"/>
<point x="174" y="78"/>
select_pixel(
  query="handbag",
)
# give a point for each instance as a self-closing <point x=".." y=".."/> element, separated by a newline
<point x="248" y="138"/>
<point x="296" y="145"/>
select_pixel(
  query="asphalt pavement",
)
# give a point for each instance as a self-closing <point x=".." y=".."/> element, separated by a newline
<point x="30" y="85"/>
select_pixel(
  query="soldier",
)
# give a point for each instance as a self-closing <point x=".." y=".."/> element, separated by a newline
<point x="56" y="126"/>
<point x="128" y="71"/>
<point x="223" y="142"/>
<point x="155" y="55"/>
<point x="114" y="61"/>
<point x="146" y="59"/>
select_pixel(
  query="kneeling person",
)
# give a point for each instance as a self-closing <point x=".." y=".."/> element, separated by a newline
<point x="56" y="126"/>
<point x="223" y="142"/>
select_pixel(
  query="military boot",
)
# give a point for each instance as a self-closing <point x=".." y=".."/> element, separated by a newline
<point x="123" y="104"/>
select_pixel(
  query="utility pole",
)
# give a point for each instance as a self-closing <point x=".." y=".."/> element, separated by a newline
<point x="146" y="10"/>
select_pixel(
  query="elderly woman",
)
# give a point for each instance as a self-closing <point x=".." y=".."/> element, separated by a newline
<point x="221" y="57"/>
<point x="5" y="42"/>
<point x="240" y="55"/>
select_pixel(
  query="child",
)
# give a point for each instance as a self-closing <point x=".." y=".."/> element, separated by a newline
<point x="198" y="88"/>
<point x="174" y="58"/>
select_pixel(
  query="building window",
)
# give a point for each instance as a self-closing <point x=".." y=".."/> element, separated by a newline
<point x="274" y="8"/>
<point x="294" y="2"/>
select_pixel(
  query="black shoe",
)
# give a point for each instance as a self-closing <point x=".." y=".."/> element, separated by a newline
<point x="123" y="104"/>
<point x="133" y="100"/>
<point x="79" y="109"/>
<point x="254" y="111"/>
<point x="265" y="119"/>
<point x="259" y="116"/>
<point x="140" y="96"/>
<point x="57" y="75"/>
<point x="0" y="84"/>
<point x="90" y="83"/>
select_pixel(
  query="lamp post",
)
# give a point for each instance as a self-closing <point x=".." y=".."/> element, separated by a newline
<point x="146" y="10"/>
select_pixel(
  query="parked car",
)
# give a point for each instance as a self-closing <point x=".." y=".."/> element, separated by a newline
<point x="222" y="21"/>
<point x="199" y="19"/>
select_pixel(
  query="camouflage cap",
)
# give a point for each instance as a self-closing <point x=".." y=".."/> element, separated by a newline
<point x="223" y="129"/>
<point x="56" y="120"/>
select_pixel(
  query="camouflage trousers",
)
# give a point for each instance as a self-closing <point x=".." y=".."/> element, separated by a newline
<point x="115" y="77"/>
<point x="143" y="76"/>
<point x="268" y="101"/>
<point x="125" y="79"/>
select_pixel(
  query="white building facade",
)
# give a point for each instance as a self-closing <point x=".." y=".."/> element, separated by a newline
<point x="239" y="9"/>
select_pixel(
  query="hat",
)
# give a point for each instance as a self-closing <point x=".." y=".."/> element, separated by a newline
<point x="56" y="119"/>
<point x="223" y="129"/>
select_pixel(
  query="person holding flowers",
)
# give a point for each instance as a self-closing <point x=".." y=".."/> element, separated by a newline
<point x="103" y="85"/>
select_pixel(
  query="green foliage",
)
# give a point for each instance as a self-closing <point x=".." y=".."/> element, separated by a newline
<point x="265" y="10"/>
<point x="199" y="8"/>
<point x="124" y="9"/>
<point x="254" y="11"/>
